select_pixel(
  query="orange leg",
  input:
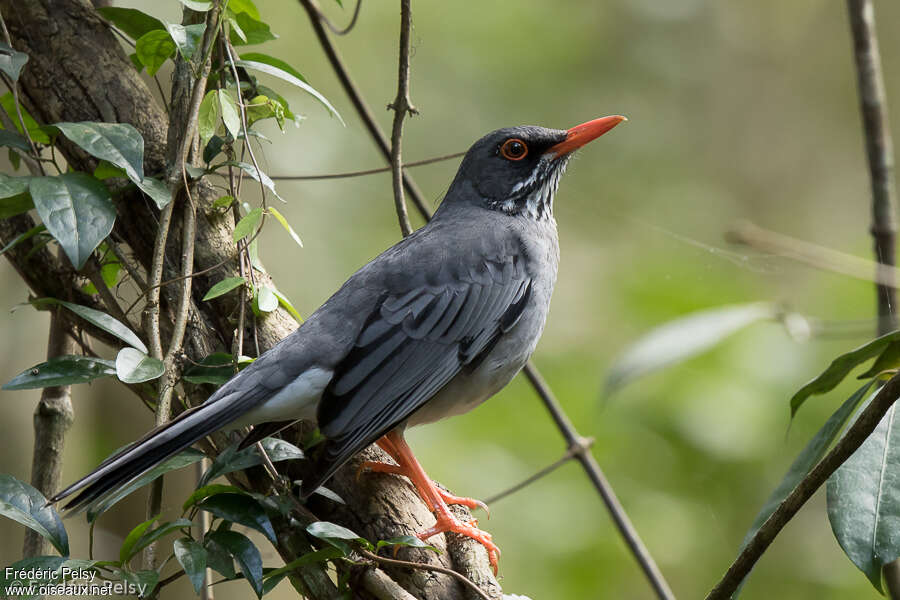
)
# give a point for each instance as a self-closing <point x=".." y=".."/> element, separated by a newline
<point x="435" y="498"/>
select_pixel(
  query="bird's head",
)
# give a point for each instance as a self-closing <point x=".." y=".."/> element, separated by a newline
<point x="517" y="170"/>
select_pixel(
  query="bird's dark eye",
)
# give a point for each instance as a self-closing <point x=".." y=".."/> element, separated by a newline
<point x="514" y="149"/>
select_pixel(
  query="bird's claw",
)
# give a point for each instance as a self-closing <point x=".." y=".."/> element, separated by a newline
<point x="469" y="529"/>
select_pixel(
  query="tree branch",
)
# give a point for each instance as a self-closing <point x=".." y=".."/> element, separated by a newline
<point x="401" y="107"/>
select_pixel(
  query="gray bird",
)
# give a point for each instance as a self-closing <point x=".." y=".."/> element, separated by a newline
<point x="431" y="328"/>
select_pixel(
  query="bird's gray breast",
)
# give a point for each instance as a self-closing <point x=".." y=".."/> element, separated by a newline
<point x="473" y="385"/>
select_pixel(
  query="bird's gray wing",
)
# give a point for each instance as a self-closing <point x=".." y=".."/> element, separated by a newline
<point x="412" y="343"/>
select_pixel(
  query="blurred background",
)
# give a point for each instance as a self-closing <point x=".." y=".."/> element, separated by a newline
<point x="737" y="110"/>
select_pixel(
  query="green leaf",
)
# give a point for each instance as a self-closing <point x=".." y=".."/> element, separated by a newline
<point x="147" y="537"/>
<point x="38" y="135"/>
<point x="29" y="572"/>
<point x="187" y="38"/>
<point x="218" y="558"/>
<point x="62" y="370"/>
<point x="840" y="368"/>
<point x="15" y="205"/>
<point x="404" y="540"/>
<point x="253" y="173"/>
<point x="104" y="322"/>
<point x="208" y="116"/>
<point x="133" y="22"/>
<point x="332" y="533"/>
<point x="286" y="304"/>
<point x="11" y="186"/>
<point x="252" y="31"/>
<point x="287" y="226"/>
<point x="197" y="5"/>
<point x="682" y="338"/>
<point x="888" y="360"/>
<point x="230" y="115"/>
<point x="246" y="554"/>
<point x="217" y="368"/>
<point x="863" y="498"/>
<point x="242" y="509"/>
<point x="308" y="558"/>
<point x="223" y="287"/>
<point x="11" y="61"/>
<point x="154" y="48"/>
<point x="248" y="224"/>
<point x="107" y="170"/>
<point x="144" y="580"/>
<point x="244" y="6"/>
<point x="224" y="202"/>
<point x="231" y="460"/>
<point x="125" y="552"/>
<point x="192" y="558"/>
<point x="133" y="366"/>
<point x="266" y="300"/>
<point x="157" y="190"/>
<point x="259" y="57"/>
<point x="77" y="211"/>
<point x="286" y="76"/>
<point x="180" y="460"/>
<point x="808" y="458"/>
<point x="27" y="506"/>
<point x="208" y="491"/>
<point x="119" y="143"/>
<point x="22" y="237"/>
<point x="14" y="140"/>
<point x="213" y="148"/>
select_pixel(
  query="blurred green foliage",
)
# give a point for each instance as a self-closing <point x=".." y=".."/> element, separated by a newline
<point x="737" y="111"/>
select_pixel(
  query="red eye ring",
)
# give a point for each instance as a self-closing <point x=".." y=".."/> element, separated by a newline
<point x="514" y="149"/>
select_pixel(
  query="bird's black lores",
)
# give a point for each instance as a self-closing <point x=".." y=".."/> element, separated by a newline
<point x="430" y="328"/>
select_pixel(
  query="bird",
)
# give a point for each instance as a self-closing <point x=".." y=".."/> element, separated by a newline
<point x="430" y="328"/>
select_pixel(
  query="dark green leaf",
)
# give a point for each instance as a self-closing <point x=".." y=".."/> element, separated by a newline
<point x="187" y="38"/>
<point x="246" y="554"/>
<point x="217" y="368"/>
<point x="255" y="174"/>
<point x="157" y="190"/>
<point x="15" y="205"/>
<point x="253" y="30"/>
<point x="888" y="360"/>
<point x="27" y="506"/>
<point x="14" y="140"/>
<point x="180" y="460"/>
<point x="11" y="61"/>
<point x="247" y="6"/>
<point x="287" y="226"/>
<point x="248" y="224"/>
<point x="308" y="558"/>
<point x="840" y="368"/>
<point x="13" y="186"/>
<point x="210" y="490"/>
<point x="77" y="211"/>
<point x="333" y="533"/>
<point x="259" y="57"/>
<point x="281" y="74"/>
<point x="213" y="148"/>
<point x="682" y="338"/>
<point x="104" y="322"/>
<point x="218" y="558"/>
<point x="37" y="134"/>
<point x="125" y="551"/>
<point x="149" y="536"/>
<point x="230" y="115"/>
<point x="231" y="459"/>
<point x="208" y="116"/>
<point x="154" y="48"/>
<point x="242" y="509"/>
<point x="145" y="581"/>
<point x="119" y="143"/>
<point x="192" y="558"/>
<point x="223" y="287"/>
<point x="62" y="370"/>
<point x="134" y="366"/>
<point x="22" y="237"/>
<point x="133" y="22"/>
<point x="266" y="300"/>
<point x="404" y="540"/>
<point x="863" y="498"/>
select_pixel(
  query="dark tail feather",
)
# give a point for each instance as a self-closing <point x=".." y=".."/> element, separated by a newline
<point x="152" y="449"/>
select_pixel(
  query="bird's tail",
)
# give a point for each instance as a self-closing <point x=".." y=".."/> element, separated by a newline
<point x="147" y="452"/>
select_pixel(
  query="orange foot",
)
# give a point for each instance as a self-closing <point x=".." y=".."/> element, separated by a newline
<point x="435" y="498"/>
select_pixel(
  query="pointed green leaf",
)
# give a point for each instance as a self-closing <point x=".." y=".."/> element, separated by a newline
<point x="11" y="61"/>
<point x="266" y="300"/>
<point x="245" y="6"/>
<point x="154" y="48"/>
<point x="410" y="541"/>
<point x="230" y="115"/>
<point x="187" y="38"/>
<point x="217" y="368"/>
<point x="223" y="287"/>
<point x="132" y="21"/>
<point x="286" y="304"/>
<point x="218" y="558"/>
<point x="281" y="74"/>
<point x="231" y="460"/>
<point x="272" y="61"/>
<point x="27" y="506"/>
<point x="224" y="202"/>
<point x="287" y="226"/>
<point x="863" y="498"/>
<point x="252" y="31"/>
<point x="158" y="191"/>
<point x="13" y="186"/>
<point x="104" y="322"/>
<point x="192" y="558"/>
<point x="62" y="370"/>
<point x="681" y="339"/>
<point x="840" y="368"/>
<point x="334" y="534"/>
<point x="14" y="140"/>
<point x="38" y="135"/>
<point x="208" y="116"/>
<point x="119" y="143"/>
<point x="148" y="536"/>
<point x="248" y="224"/>
<point x="133" y="366"/>
<point x="308" y="558"/>
<point x="255" y="174"/>
<point x="107" y="170"/>
<point x="242" y="509"/>
<point x="207" y="491"/>
<point x="125" y="552"/>
<point x="246" y="554"/>
<point x="889" y="359"/>
<point x="22" y="237"/>
<point x="77" y="211"/>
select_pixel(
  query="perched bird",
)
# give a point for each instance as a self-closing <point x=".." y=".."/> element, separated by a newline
<point x="431" y="328"/>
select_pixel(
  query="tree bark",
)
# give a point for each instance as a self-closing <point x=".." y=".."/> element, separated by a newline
<point x="77" y="71"/>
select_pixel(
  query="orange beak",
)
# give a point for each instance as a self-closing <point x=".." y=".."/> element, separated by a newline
<point x="584" y="133"/>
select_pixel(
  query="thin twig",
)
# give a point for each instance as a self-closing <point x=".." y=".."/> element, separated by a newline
<point x="130" y="266"/>
<point x="153" y="289"/>
<point x="31" y="163"/>
<point x="855" y="435"/>
<point x="425" y="567"/>
<point x="342" y="31"/>
<point x="401" y="107"/>
<point x="347" y="175"/>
